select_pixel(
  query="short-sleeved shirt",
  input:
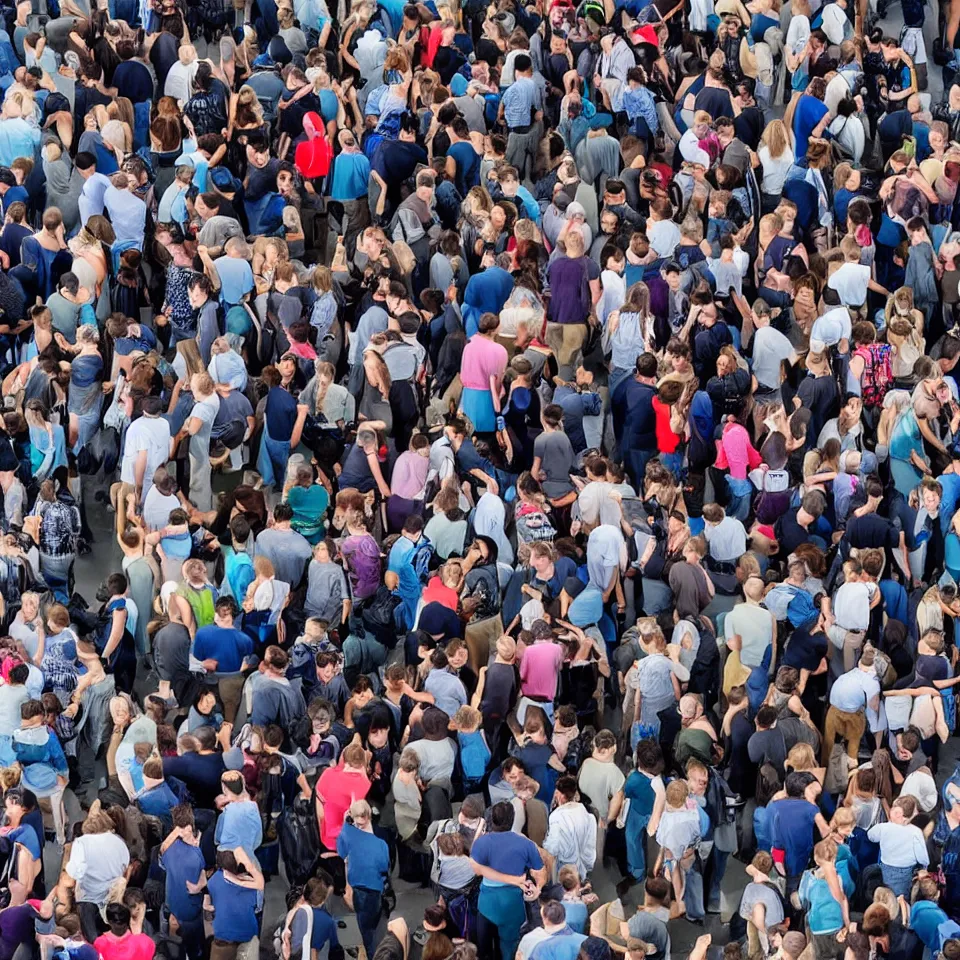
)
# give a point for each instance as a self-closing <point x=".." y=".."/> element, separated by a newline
<point x="227" y="645"/>
<point x="770" y="349"/>
<point x="506" y="852"/>
<point x="338" y="789"/>
<point x="850" y="281"/>
<point x="755" y="893"/>
<point x="793" y="822"/>
<point x="235" y="909"/>
<point x="556" y="461"/>
<point x="236" y="278"/>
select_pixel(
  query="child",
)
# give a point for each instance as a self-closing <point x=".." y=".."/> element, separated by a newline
<point x="682" y="825"/>
<point x="719" y="225"/>
<point x="575" y="898"/>
<point x="474" y="752"/>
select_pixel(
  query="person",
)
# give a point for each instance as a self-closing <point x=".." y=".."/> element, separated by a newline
<point x="367" y="860"/>
<point x="235" y="896"/>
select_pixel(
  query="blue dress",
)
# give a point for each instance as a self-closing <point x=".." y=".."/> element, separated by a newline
<point x="639" y="791"/>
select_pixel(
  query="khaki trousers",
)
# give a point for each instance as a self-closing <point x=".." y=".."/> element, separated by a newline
<point x="850" y="726"/>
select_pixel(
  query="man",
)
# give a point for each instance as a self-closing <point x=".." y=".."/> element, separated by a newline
<point x="146" y="448"/>
<point x="287" y="550"/>
<point x="818" y="391"/>
<point x="182" y="860"/>
<point x="239" y="823"/>
<point x="416" y="221"/>
<point x="275" y="699"/>
<point x="726" y="538"/>
<point x="561" y="942"/>
<point x="350" y="186"/>
<point x="760" y="905"/>
<point x="393" y="163"/>
<point x="799" y="524"/>
<point x="793" y="820"/>
<point x="902" y="846"/>
<point x="235" y="896"/>
<point x="572" y="836"/>
<point x="58" y="535"/>
<point x="710" y="334"/>
<point x="222" y="649"/>
<point x="767" y="744"/>
<point x="770" y="350"/>
<point x="521" y="108"/>
<point x="406" y="560"/>
<point x="216" y="230"/>
<point x="634" y="420"/>
<point x="649" y="924"/>
<point x="208" y="315"/>
<point x="850" y="694"/>
<point x="127" y="212"/>
<point x="575" y="287"/>
<point x="69" y="307"/>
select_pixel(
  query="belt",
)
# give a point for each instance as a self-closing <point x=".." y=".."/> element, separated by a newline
<point x="525" y="129"/>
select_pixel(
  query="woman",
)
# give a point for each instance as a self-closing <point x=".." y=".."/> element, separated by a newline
<point x="309" y="500"/>
<point x="85" y="397"/>
<point x="44" y="256"/>
<point x="167" y="134"/>
<point x="114" y="638"/>
<point x="27" y="626"/>
<point x="328" y="596"/>
<point x="824" y="902"/>
<point x="375" y="403"/>
<point x="265" y="600"/>
<point x="480" y="600"/>
<point x="43" y="765"/>
<point x="657" y="687"/>
<point x="807" y="115"/>
<point x="645" y="792"/>
<point x="245" y="119"/>
<point x="481" y="372"/>
<point x="447" y="528"/>
<point x="908" y="460"/>
<point x="203" y="712"/>
<point x="48" y="445"/>
<point x="630" y="331"/>
<point x="697" y="736"/>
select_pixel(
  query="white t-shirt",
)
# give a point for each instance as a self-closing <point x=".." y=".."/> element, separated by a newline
<point x="850" y="281"/>
<point x="832" y="327"/>
<point x="727" y="540"/>
<point x="775" y="169"/>
<point x="146" y="433"/>
<point x="833" y="23"/>
<point x="664" y="235"/>
<point x="157" y="507"/>
<point x="798" y="33"/>
<point x="770" y="349"/>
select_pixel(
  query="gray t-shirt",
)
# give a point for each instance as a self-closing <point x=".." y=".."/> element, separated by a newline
<point x="770" y="349"/>
<point x="755" y="893"/>
<point x="287" y="550"/>
<point x="556" y="460"/>
<point x="206" y="412"/>
<point x="157" y="507"/>
<point x="650" y="929"/>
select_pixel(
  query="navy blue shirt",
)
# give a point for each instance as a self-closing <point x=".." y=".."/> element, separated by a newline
<point x="281" y="414"/>
<point x="183" y="862"/>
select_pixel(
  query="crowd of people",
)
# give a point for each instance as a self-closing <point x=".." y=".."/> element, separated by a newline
<point x="530" y="440"/>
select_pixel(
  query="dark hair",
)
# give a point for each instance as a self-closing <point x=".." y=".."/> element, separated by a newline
<point x="282" y="513"/>
<point x="118" y="918"/>
<point x="226" y="607"/>
<point x="501" y="817"/>
<point x="796" y="783"/>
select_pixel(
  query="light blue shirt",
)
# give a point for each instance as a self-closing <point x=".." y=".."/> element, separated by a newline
<point x="128" y="214"/>
<point x="520" y="100"/>
<point x="91" y="197"/>
<point x="854" y="690"/>
<point x="236" y="278"/>
<point x="240" y="826"/>
<point x="373" y="321"/>
<point x="448" y="692"/>
<point x="18" y="138"/>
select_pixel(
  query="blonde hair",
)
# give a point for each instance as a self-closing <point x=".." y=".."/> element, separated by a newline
<point x="801" y="758"/>
<point x="467" y="719"/>
<point x="776" y="138"/>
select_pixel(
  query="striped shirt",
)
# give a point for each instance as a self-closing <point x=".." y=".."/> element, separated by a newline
<point x="520" y="100"/>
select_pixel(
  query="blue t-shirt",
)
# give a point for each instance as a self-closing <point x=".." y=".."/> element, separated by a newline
<point x="468" y="165"/>
<point x="158" y="801"/>
<point x="235" y="909"/>
<point x="182" y="862"/>
<point x="925" y="919"/>
<point x="369" y="857"/>
<point x="280" y="414"/>
<point x="351" y="177"/>
<point x="26" y="835"/>
<point x="324" y="930"/>
<point x="227" y="645"/>
<point x="793" y="822"/>
<point x="508" y="852"/>
<point x="236" y="278"/>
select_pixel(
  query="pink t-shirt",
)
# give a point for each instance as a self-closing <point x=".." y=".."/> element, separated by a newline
<point x="338" y="789"/>
<point x="131" y="946"/>
<point x="540" y="668"/>
<point x="482" y="359"/>
<point x="409" y="474"/>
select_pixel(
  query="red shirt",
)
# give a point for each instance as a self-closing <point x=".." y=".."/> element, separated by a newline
<point x="338" y="789"/>
<point x="667" y="440"/>
<point x="437" y="592"/>
<point x="131" y="946"/>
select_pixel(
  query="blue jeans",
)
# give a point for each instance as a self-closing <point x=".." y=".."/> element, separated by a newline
<point x="739" y="493"/>
<point x="718" y="867"/>
<point x="367" y="904"/>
